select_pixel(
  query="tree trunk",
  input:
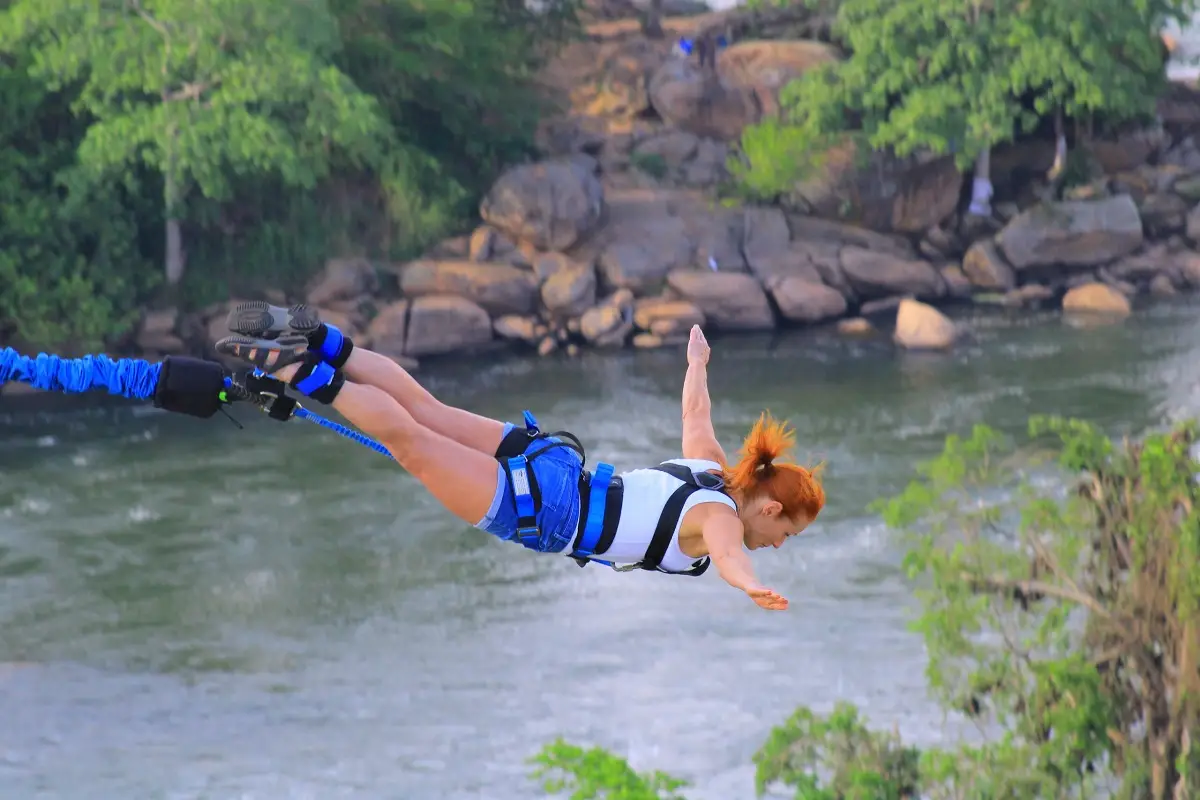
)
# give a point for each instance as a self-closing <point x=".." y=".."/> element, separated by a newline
<point x="174" y="231"/>
<point x="1060" y="148"/>
<point x="981" y="187"/>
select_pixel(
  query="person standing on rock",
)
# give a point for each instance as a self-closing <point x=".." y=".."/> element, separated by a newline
<point x="520" y="484"/>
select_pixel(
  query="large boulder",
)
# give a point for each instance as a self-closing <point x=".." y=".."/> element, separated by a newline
<point x="1096" y="298"/>
<point x="342" y="279"/>
<point x="923" y="327"/>
<point x="874" y="274"/>
<point x="497" y="288"/>
<point x="550" y="205"/>
<point x="728" y="300"/>
<point x="439" y="324"/>
<point x="1072" y="233"/>
<point x="804" y="301"/>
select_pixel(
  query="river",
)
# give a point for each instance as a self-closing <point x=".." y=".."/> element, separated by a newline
<point x="189" y="610"/>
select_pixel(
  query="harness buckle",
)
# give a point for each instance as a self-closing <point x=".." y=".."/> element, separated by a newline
<point x="519" y="478"/>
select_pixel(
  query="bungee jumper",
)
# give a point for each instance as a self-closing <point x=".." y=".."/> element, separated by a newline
<point x="521" y="484"/>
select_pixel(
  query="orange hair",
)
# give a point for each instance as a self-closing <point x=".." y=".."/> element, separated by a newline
<point x="757" y="474"/>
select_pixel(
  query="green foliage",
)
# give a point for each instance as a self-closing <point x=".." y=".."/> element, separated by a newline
<point x="596" y="774"/>
<point x="68" y="270"/>
<point x="864" y="764"/>
<point x="1070" y="621"/>
<point x="952" y="76"/>
<point x="276" y="134"/>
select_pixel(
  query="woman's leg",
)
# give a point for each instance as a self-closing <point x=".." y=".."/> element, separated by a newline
<point x="471" y="430"/>
<point x="463" y="479"/>
<point x="259" y="319"/>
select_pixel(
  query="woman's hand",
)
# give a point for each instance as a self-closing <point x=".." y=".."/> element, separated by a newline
<point x="698" y="349"/>
<point x="765" y="598"/>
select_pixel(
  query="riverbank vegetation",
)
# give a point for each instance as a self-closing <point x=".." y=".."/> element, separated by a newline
<point x="947" y="77"/>
<point x="194" y="149"/>
<point x="1063" y="619"/>
<point x="175" y="152"/>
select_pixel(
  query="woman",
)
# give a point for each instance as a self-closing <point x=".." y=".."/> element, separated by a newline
<point x="521" y="484"/>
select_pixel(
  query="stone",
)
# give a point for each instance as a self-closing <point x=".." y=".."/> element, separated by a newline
<point x="729" y="301"/>
<point x="389" y="330"/>
<point x="440" y="324"/>
<point x="497" y="288"/>
<point x="873" y="274"/>
<point x="342" y="279"/>
<point x="986" y="268"/>
<point x="1098" y="298"/>
<point x="1072" y="233"/>
<point x="923" y="327"/>
<point x="802" y="301"/>
<point x="549" y="204"/>
<point x="570" y="292"/>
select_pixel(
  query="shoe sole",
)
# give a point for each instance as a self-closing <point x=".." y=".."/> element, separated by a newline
<point x="291" y="349"/>
<point x="261" y="320"/>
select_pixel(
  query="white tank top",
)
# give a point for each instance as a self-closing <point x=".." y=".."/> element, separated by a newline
<point x="646" y="494"/>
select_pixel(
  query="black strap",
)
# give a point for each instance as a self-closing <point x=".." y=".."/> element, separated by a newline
<point x="515" y="444"/>
<point x="614" y="498"/>
<point x="668" y="520"/>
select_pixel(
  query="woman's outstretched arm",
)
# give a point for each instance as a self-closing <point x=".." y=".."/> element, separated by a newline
<point x="699" y="438"/>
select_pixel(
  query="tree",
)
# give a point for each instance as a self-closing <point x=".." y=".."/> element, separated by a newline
<point x="596" y="774"/>
<point x="959" y="76"/>
<point x="70" y="270"/>
<point x="200" y="90"/>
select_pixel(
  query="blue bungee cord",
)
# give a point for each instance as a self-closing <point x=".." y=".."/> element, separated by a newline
<point x="133" y="378"/>
<point x="125" y="377"/>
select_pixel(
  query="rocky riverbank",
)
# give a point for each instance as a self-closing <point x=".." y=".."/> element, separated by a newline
<point x="616" y="237"/>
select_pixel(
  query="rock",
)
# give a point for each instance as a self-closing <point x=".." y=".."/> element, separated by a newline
<point x="672" y="147"/>
<point x="986" y="268"/>
<point x="799" y="260"/>
<point x="547" y="346"/>
<point x="342" y="279"/>
<point x="855" y="326"/>
<point x="643" y="252"/>
<point x="763" y="68"/>
<point x="570" y="291"/>
<point x="874" y="274"/>
<point x="1142" y="266"/>
<point x="811" y="231"/>
<point x="388" y="331"/>
<point x="765" y="234"/>
<point x="1188" y="189"/>
<point x="1163" y="215"/>
<point x="697" y="101"/>
<point x="646" y="341"/>
<point x="718" y="238"/>
<point x="666" y="317"/>
<point x="923" y="327"/>
<point x="807" y="302"/>
<point x="957" y="284"/>
<point x="610" y="323"/>
<point x="1072" y="233"/>
<point x="483" y="240"/>
<point x="551" y="204"/>
<point x="1161" y="286"/>
<point x="730" y="301"/>
<point x="1096" y="298"/>
<point x="497" y="288"/>
<point x="1188" y="266"/>
<point x="1031" y="294"/>
<point x="441" y="324"/>
<point x="1192" y="225"/>
<point x="546" y="265"/>
<point x="881" y="192"/>
<point x="883" y="305"/>
<point x="156" y="333"/>
<point x="515" y="326"/>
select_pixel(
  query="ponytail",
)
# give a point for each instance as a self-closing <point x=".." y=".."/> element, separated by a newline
<point x="798" y="489"/>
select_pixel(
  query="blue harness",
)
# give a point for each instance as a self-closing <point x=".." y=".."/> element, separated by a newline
<point x="600" y="493"/>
